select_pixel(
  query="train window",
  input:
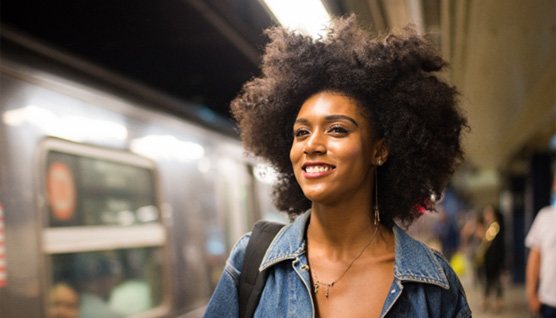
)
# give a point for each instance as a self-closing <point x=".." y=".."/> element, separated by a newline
<point x="85" y="191"/>
<point x="114" y="283"/>
<point x="103" y="238"/>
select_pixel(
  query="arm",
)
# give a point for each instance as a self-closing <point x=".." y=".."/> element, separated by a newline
<point x="532" y="279"/>
<point x="224" y="300"/>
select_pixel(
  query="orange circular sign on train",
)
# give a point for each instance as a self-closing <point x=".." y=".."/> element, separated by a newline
<point x="61" y="191"/>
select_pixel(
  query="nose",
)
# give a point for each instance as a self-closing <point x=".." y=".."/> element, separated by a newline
<point x="315" y="144"/>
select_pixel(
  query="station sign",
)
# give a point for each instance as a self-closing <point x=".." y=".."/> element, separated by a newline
<point x="61" y="191"/>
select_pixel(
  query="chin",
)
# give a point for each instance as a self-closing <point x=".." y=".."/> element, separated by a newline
<point x="318" y="196"/>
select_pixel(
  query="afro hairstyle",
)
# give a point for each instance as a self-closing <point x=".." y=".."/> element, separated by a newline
<point x="392" y="79"/>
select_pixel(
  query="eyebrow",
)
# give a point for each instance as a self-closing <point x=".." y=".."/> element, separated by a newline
<point x="329" y="118"/>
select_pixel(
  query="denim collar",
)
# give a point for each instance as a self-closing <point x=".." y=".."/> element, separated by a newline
<point x="413" y="262"/>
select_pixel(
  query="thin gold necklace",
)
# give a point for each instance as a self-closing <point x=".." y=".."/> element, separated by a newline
<point x="317" y="283"/>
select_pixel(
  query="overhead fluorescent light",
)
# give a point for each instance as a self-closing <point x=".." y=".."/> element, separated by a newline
<point x="78" y="127"/>
<point x="306" y="16"/>
<point x="167" y="147"/>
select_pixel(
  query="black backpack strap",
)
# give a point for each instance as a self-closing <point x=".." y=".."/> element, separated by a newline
<point x="251" y="281"/>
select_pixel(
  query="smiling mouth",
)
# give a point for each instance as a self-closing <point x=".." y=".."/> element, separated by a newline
<point x="316" y="171"/>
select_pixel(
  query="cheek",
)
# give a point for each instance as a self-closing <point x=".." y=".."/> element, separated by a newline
<point x="295" y="153"/>
<point x="353" y="153"/>
<point x="295" y="157"/>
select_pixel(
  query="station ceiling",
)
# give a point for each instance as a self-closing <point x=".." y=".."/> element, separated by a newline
<point x="502" y="54"/>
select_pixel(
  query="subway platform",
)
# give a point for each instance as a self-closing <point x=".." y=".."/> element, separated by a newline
<point x="514" y="305"/>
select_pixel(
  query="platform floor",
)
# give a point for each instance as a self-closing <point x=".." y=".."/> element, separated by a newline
<point x="515" y="303"/>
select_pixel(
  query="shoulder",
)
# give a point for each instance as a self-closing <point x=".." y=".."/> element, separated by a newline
<point x="455" y="292"/>
<point x="544" y="220"/>
<point x="234" y="263"/>
<point x="224" y="300"/>
<point x="454" y="284"/>
<point x="548" y="212"/>
<point x="264" y="234"/>
<point x="541" y="227"/>
<point x="415" y="261"/>
<point x="427" y="272"/>
<point x="451" y="276"/>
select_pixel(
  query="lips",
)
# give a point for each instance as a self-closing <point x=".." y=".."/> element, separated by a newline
<point x="317" y="169"/>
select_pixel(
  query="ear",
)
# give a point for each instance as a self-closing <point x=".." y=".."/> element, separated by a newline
<point x="380" y="153"/>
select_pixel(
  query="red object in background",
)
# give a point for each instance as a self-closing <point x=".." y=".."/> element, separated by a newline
<point x="61" y="191"/>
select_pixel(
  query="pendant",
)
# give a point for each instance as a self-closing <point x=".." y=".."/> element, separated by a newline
<point x="327" y="292"/>
<point x="316" y="287"/>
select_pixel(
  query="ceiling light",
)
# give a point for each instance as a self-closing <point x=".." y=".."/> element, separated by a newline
<point x="306" y="16"/>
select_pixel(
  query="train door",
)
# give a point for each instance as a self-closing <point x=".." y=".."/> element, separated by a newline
<point x="104" y="244"/>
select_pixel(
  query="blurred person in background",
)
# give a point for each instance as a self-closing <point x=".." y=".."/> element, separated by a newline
<point x="491" y="256"/>
<point x="541" y="264"/>
<point x="471" y="237"/>
<point x="97" y="275"/>
<point x="447" y="231"/>
<point x="133" y="294"/>
<point x="63" y="301"/>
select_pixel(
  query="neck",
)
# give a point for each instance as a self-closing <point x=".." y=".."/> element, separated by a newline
<point x="340" y="226"/>
<point x="337" y="232"/>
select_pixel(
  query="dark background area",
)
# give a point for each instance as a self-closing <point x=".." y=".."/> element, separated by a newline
<point x="197" y="51"/>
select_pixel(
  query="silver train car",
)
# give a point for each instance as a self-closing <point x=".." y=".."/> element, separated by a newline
<point x="109" y="205"/>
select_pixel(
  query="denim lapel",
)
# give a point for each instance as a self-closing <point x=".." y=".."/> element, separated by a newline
<point x="415" y="262"/>
<point x="288" y="244"/>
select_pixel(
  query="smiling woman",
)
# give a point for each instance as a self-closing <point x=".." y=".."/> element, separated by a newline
<point x="363" y="135"/>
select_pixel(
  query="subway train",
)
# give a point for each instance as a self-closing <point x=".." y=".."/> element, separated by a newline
<point x="111" y="205"/>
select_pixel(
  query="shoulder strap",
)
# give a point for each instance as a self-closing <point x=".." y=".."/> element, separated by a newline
<point x="251" y="281"/>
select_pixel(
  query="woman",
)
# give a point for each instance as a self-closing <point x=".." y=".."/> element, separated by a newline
<point x="362" y="135"/>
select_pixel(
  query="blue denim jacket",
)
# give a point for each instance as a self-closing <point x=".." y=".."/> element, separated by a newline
<point x="424" y="285"/>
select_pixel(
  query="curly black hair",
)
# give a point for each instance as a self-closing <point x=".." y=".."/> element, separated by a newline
<point x="391" y="77"/>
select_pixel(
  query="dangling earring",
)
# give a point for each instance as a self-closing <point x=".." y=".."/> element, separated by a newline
<point x="376" y="211"/>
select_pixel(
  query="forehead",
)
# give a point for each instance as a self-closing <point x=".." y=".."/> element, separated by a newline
<point x="63" y="291"/>
<point x="327" y="103"/>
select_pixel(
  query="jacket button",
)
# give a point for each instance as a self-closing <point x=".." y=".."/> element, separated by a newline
<point x="305" y="267"/>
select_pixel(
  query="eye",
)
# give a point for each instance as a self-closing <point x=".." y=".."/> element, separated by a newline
<point x="338" y="130"/>
<point x="300" y="132"/>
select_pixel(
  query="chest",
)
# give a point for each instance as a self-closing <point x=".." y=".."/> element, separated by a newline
<point x="290" y="292"/>
<point x="286" y="295"/>
<point x="363" y="291"/>
<point x="550" y="242"/>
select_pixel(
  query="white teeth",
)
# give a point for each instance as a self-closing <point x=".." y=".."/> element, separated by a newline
<point x="316" y="169"/>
